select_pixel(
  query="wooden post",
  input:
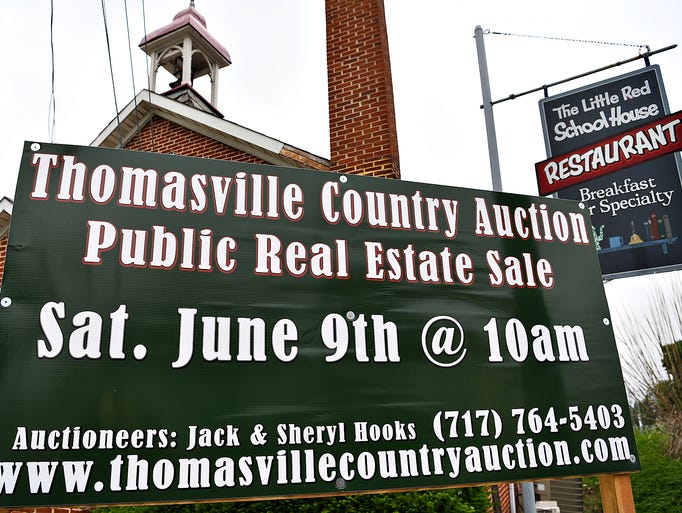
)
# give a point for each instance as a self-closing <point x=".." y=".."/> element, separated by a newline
<point x="616" y="493"/>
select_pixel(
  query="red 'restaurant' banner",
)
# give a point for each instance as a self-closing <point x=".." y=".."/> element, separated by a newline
<point x="646" y="142"/>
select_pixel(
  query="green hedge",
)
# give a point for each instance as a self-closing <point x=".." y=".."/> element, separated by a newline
<point x="658" y="487"/>
<point x="461" y="500"/>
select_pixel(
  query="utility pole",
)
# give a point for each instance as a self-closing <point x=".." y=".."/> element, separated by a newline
<point x="488" y="111"/>
<point x="528" y="487"/>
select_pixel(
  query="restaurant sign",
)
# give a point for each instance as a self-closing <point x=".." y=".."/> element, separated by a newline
<point x="614" y="147"/>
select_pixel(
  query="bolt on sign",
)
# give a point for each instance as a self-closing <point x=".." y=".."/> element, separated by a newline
<point x="612" y="146"/>
<point x="182" y="329"/>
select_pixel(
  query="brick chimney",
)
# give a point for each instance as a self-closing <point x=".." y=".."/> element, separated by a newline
<point x="362" y="125"/>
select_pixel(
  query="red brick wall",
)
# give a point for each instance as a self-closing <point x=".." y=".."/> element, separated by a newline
<point x="505" y="498"/>
<point x="361" y="111"/>
<point x="172" y="138"/>
<point x="3" y="255"/>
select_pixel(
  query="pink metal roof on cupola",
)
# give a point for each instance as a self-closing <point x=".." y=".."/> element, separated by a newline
<point x="188" y="17"/>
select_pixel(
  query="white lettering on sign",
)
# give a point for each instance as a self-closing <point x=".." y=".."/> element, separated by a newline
<point x="85" y="340"/>
<point x="545" y="344"/>
<point x="244" y="195"/>
<point x="250" y="340"/>
<point x="395" y="211"/>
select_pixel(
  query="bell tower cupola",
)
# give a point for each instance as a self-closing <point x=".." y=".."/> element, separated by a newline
<point x="187" y="51"/>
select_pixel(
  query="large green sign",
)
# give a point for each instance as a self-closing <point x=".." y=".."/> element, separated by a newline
<point x="181" y="329"/>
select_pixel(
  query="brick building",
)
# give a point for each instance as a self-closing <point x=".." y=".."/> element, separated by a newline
<point x="363" y="135"/>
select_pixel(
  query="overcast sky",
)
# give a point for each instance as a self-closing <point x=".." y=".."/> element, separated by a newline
<point x="277" y="82"/>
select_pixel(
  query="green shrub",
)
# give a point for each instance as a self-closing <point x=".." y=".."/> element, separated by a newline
<point x="658" y="487"/>
<point x="461" y="500"/>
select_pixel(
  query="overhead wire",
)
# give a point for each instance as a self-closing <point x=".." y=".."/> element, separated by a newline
<point x="568" y="39"/>
<point x="149" y="85"/>
<point x="132" y="74"/>
<point x="52" y="109"/>
<point x="645" y="53"/>
<point x="111" y="70"/>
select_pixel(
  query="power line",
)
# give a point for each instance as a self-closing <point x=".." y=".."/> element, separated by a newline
<point x="132" y="74"/>
<point x="111" y="71"/>
<point x="52" y="110"/>
<point x="149" y="85"/>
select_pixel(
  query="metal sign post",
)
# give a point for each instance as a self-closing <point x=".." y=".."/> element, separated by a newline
<point x="488" y="111"/>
